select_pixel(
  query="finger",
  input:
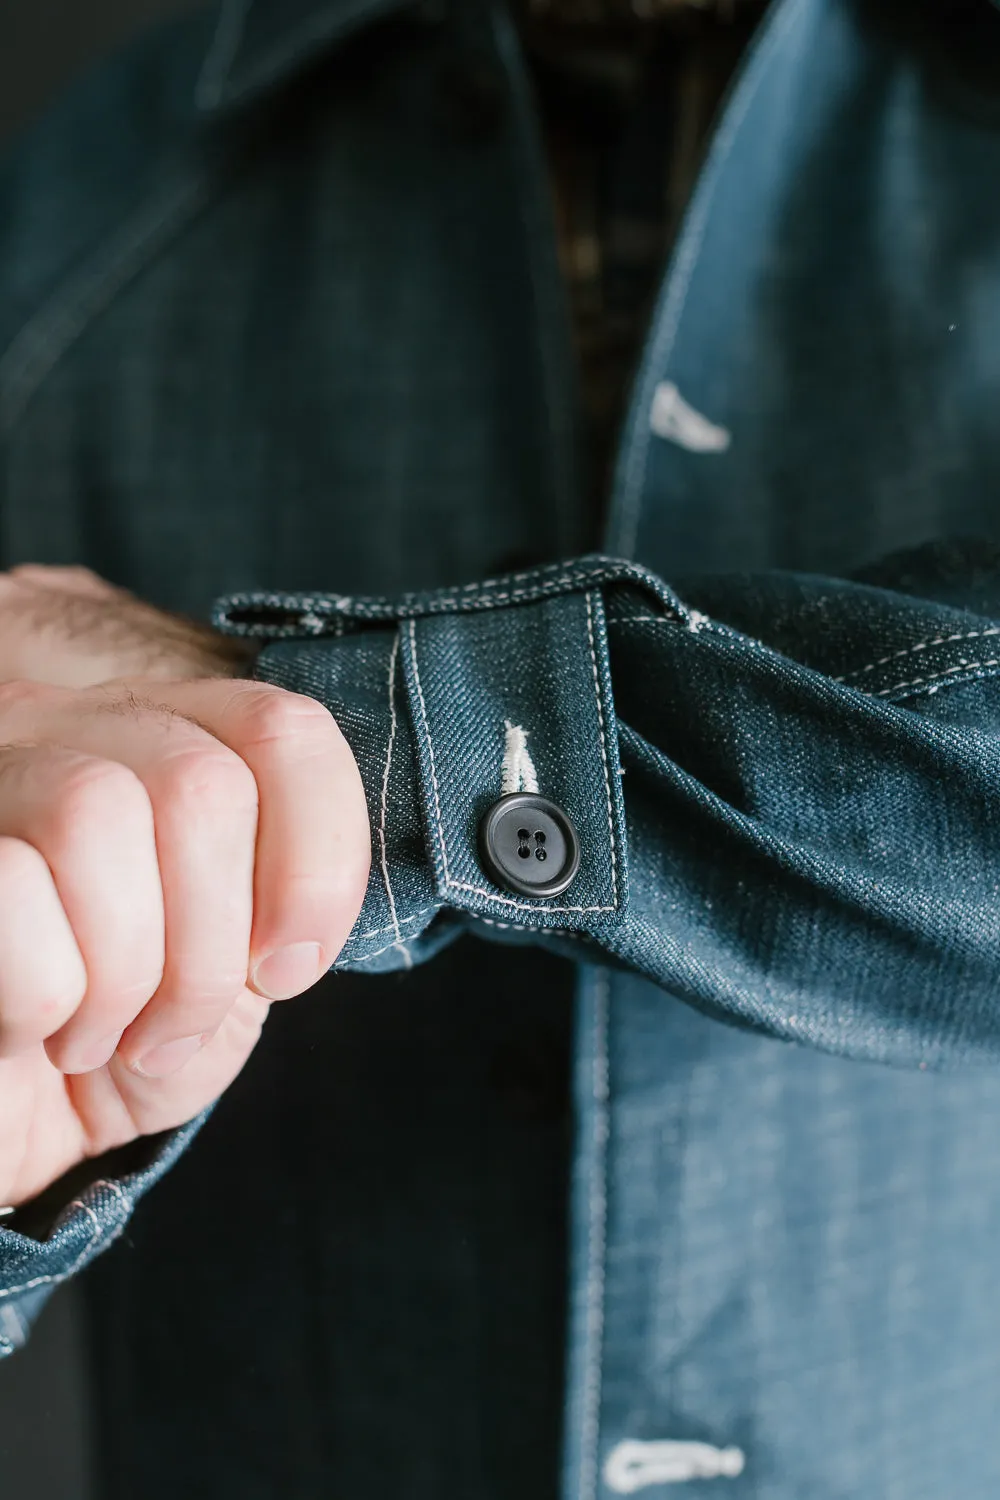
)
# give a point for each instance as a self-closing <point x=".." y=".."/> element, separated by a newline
<point x="90" y="819"/>
<point x="43" y="978"/>
<point x="313" y="839"/>
<point x="117" y="1098"/>
<point x="204" y="808"/>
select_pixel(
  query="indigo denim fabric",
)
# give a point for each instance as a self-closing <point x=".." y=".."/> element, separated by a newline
<point x="295" y="337"/>
<point x="820" y="865"/>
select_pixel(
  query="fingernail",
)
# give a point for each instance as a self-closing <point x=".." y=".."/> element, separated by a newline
<point x="89" y="1058"/>
<point x="161" y="1061"/>
<point x="288" y="971"/>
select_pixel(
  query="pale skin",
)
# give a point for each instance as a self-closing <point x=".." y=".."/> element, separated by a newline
<point x="179" y="846"/>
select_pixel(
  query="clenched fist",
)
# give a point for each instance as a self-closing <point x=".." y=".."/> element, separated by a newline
<point x="173" y="855"/>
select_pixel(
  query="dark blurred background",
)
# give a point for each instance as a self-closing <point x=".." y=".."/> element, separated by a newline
<point x="43" y="43"/>
<point x="44" y="1439"/>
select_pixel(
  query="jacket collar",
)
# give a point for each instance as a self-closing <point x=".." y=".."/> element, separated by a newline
<point x="257" y="44"/>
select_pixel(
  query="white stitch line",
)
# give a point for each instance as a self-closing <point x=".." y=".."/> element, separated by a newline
<point x="897" y="687"/>
<point x="962" y="666"/>
<point x="475" y="890"/>
<point x="694" y="623"/>
<point x="367" y="958"/>
<point x="125" y="1199"/>
<point x="385" y="801"/>
<point x="221" y="52"/>
<point x="449" y="601"/>
<point x="430" y="747"/>
<point x="604" y="750"/>
<point x="91" y="1245"/>
<point x="681" y="273"/>
<point x="590" y="1424"/>
<point x="403" y="922"/>
<point x="57" y="1276"/>
<point x="940" y="640"/>
<point x="562" y="933"/>
<point x="535" y="906"/>
<point x="641" y="620"/>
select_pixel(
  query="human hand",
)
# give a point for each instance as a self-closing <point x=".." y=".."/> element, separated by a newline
<point x="172" y="855"/>
<point x="68" y="627"/>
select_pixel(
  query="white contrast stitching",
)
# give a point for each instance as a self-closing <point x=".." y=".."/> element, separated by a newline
<point x="695" y="624"/>
<point x="896" y="687"/>
<point x="430" y="748"/>
<point x="91" y="1246"/>
<point x="403" y="922"/>
<point x="535" y="906"/>
<point x="475" y="890"/>
<point x="367" y="958"/>
<point x="563" y="934"/>
<point x="221" y="52"/>
<point x="939" y="640"/>
<point x="57" y="1276"/>
<point x="385" y="799"/>
<point x="590" y="1423"/>
<point x="962" y="666"/>
<point x="647" y="620"/>
<point x="448" y="601"/>
<point x="604" y="749"/>
<point x="125" y="1199"/>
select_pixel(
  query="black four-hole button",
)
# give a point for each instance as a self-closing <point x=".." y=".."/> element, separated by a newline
<point x="529" y="845"/>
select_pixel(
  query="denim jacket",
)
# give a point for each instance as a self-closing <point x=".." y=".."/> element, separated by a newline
<point x="293" y="340"/>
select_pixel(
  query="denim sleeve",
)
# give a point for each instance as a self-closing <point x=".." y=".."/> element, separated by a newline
<point x="786" y="791"/>
<point x="32" y="1264"/>
<point x="785" y="787"/>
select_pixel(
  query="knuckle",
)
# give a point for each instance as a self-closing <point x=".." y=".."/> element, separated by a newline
<point x="209" y="778"/>
<point x="272" y="715"/>
<point x="42" y="976"/>
<point x="93" y="794"/>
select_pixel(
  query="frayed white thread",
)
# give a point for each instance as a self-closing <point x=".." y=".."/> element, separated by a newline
<point x="15" y="1328"/>
<point x="671" y="417"/>
<point x="315" y="624"/>
<point x="517" y="773"/>
<point x="383" y="857"/>
<point x="633" y="1465"/>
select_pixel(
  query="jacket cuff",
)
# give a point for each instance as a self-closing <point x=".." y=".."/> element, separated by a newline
<point x="531" y="685"/>
<point x="444" y="697"/>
